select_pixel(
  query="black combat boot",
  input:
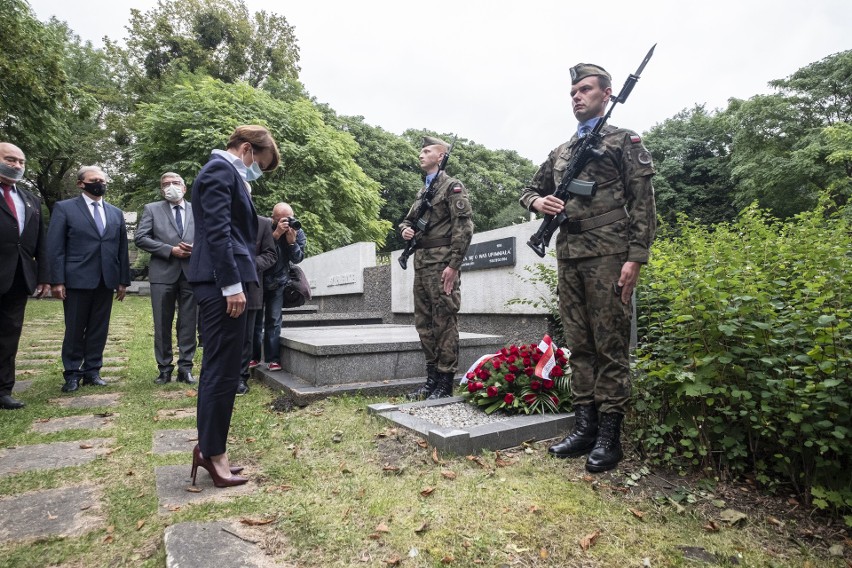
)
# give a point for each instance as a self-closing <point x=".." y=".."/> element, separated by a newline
<point x="444" y="388"/>
<point x="607" y="452"/>
<point x="582" y="438"/>
<point x="426" y="388"/>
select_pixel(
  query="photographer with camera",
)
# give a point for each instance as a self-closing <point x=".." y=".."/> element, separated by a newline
<point x="290" y="240"/>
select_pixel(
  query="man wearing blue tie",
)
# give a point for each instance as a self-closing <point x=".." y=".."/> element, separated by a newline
<point x="87" y="245"/>
<point x="167" y="230"/>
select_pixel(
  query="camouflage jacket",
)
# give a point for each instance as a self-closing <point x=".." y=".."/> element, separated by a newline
<point x="623" y="175"/>
<point x="451" y="217"/>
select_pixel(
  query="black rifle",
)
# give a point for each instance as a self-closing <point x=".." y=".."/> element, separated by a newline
<point x="586" y="152"/>
<point x="422" y="222"/>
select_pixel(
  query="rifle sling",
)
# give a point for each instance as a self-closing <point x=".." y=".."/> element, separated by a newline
<point x="579" y="226"/>
<point x="434" y="243"/>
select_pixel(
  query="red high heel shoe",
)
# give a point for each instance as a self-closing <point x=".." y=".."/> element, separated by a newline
<point x="234" y="468"/>
<point x="200" y="461"/>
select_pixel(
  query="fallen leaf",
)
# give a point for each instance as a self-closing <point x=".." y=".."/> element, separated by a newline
<point x="193" y="489"/>
<point x="711" y="526"/>
<point x="448" y="559"/>
<point x="774" y="521"/>
<point x="426" y="491"/>
<point x="732" y="516"/>
<point x="422" y="528"/>
<point x="42" y="420"/>
<point x="478" y="460"/>
<point x="435" y="456"/>
<point x="393" y="560"/>
<point x="129" y="473"/>
<point x="514" y="548"/>
<point x="112" y="450"/>
<point x="295" y="452"/>
<point x="391" y="468"/>
<point x="382" y="528"/>
<point x="534" y="509"/>
<point x="678" y="507"/>
<point x="173" y="508"/>
<point x="108" y="539"/>
<point x="374" y="536"/>
<point x="110" y="529"/>
<point x="86" y="446"/>
<point x="589" y="540"/>
<point x="51" y="517"/>
<point x="423" y="444"/>
<point x="103" y="414"/>
<point x="588" y="478"/>
<point x="637" y="513"/>
<point x="255" y="522"/>
<point x="500" y="462"/>
<point x="543" y="554"/>
<point x="190" y="392"/>
<point x="85" y="507"/>
<point x="344" y="468"/>
<point x="447" y="474"/>
<point x="337" y="436"/>
<point x="139" y="524"/>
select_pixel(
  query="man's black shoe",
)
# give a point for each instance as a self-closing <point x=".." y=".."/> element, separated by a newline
<point x="186" y="377"/>
<point x="71" y="384"/>
<point x="165" y="377"/>
<point x="242" y="388"/>
<point x="9" y="403"/>
<point x="94" y="380"/>
<point x="582" y="438"/>
<point x="607" y="451"/>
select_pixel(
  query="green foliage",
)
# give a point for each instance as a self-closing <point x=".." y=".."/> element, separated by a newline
<point x="745" y="354"/>
<point x="542" y="275"/>
<point x="692" y="155"/>
<point x="336" y="202"/>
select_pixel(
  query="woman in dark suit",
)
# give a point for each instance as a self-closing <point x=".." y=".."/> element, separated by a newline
<point x="222" y="261"/>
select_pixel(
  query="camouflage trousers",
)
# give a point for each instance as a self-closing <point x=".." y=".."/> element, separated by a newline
<point x="597" y="330"/>
<point x="436" y="318"/>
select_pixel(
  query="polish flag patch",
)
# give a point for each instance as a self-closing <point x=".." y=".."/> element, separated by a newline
<point x="635" y="139"/>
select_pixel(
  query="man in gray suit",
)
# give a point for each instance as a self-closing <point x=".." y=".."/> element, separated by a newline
<point x="166" y="230"/>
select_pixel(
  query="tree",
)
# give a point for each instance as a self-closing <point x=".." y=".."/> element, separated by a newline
<point x="692" y="156"/>
<point x="335" y="200"/>
<point x="780" y="153"/>
<point x="218" y="38"/>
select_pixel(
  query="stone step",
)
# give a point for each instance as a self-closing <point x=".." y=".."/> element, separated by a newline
<point x="334" y="356"/>
<point x="306" y="309"/>
<point x="332" y="319"/>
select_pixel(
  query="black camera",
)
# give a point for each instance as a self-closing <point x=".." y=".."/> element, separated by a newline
<point x="294" y="223"/>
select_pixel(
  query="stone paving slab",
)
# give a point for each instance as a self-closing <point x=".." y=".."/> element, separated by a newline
<point x="470" y="440"/>
<point x="52" y="456"/>
<point x="219" y="543"/>
<point x="171" y="394"/>
<point x="88" y="400"/>
<point x="174" y="480"/>
<point x="30" y="354"/>
<point x="170" y="441"/>
<point x="87" y="422"/>
<point x="21" y="386"/>
<point x="28" y="362"/>
<point x="111" y="370"/>
<point x="26" y="372"/>
<point x="116" y="359"/>
<point x="175" y="413"/>
<point x="66" y="511"/>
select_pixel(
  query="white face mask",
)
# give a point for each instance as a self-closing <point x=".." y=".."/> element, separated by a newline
<point x="173" y="193"/>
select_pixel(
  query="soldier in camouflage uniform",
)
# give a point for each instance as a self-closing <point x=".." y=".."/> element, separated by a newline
<point x="600" y="250"/>
<point x="437" y="260"/>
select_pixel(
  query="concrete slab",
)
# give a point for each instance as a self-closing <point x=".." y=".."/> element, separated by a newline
<point x="303" y="393"/>
<point x="116" y="359"/>
<point x="26" y="372"/>
<point x="66" y="511"/>
<point x="21" y="386"/>
<point x="87" y="422"/>
<point x="174" y="481"/>
<point x="175" y="413"/>
<point x="52" y="456"/>
<point x="219" y="543"/>
<point x="470" y="440"/>
<point x="88" y="401"/>
<point x="170" y="441"/>
<point x="337" y="355"/>
<point x="28" y="363"/>
<point x="112" y="370"/>
<point x="27" y="354"/>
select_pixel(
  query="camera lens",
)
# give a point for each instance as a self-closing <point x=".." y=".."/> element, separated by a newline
<point x="294" y="223"/>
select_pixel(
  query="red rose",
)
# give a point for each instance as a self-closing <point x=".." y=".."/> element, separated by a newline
<point x="513" y="369"/>
<point x="527" y="361"/>
<point x="555" y="400"/>
<point x="529" y="398"/>
<point x="471" y="387"/>
<point x="512" y="358"/>
<point x="492" y="391"/>
<point x="504" y="352"/>
<point x="548" y="383"/>
<point x="510" y="377"/>
<point x="529" y="371"/>
<point x="470" y="376"/>
<point x="535" y="385"/>
<point x="496" y="365"/>
<point x="514" y="350"/>
<point x="556" y="371"/>
<point x="509" y="398"/>
<point x="479" y="386"/>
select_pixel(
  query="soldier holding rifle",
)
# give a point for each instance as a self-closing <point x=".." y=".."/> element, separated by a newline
<point x="440" y="226"/>
<point x="607" y="225"/>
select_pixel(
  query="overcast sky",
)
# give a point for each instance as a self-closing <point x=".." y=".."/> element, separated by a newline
<point x="496" y="72"/>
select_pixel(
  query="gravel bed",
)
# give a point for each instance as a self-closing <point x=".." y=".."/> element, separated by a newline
<point x="456" y="415"/>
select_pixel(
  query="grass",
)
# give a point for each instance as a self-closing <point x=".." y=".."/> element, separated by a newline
<point x="376" y="497"/>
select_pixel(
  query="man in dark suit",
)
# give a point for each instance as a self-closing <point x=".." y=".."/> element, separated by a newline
<point x="24" y="261"/>
<point x="167" y="230"/>
<point x="87" y="244"/>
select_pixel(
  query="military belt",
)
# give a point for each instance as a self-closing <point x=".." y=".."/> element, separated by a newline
<point x="573" y="227"/>
<point x="434" y="243"/>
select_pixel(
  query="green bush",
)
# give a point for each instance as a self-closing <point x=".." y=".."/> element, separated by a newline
<point x="745" y="351"/>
